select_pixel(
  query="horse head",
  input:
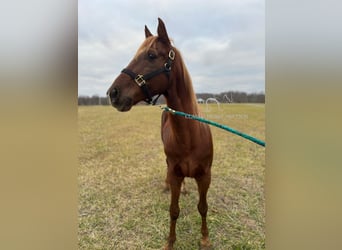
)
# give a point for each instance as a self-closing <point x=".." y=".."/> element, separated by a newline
<point x="147" y="74"/>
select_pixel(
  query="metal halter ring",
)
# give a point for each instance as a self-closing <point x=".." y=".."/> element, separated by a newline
<point x="167" y="67"/>
<point x="172" y="54"/>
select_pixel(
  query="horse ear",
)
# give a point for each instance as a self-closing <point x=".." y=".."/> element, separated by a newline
<point x="147" y="32"/>
<point x="162" y="34"/>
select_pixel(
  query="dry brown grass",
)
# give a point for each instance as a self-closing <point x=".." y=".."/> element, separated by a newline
<point x="122" y="172"/>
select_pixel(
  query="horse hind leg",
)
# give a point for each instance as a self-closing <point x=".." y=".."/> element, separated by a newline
<point x="184" y="191"/>
<point x="167" y="187"/>
<point x="203" y="185"/>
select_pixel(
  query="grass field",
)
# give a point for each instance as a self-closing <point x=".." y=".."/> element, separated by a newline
<point x="121" y="178"/>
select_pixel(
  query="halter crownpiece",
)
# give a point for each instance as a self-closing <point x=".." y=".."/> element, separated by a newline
<point x="140" y="79"/>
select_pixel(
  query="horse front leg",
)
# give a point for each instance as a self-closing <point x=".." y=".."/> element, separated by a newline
<point x="175" y="186"/>
<point x="203" y="186"/>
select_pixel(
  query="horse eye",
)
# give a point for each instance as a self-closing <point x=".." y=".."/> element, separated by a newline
<point x="152" y="56"/>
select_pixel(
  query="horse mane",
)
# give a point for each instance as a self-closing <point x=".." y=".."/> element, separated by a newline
<point x="184" y="85"/>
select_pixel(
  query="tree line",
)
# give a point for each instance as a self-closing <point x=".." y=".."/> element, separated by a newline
<point x="224" y="97"/>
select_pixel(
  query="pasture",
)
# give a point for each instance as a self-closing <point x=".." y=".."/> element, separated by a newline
<point x="121" y="177"/>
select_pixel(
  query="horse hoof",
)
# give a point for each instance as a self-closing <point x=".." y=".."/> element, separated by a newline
<point x="168" y="247"/>
<point x="205" y="244"/>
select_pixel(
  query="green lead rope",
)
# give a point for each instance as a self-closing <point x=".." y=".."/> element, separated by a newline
<point x="193" y="117"/>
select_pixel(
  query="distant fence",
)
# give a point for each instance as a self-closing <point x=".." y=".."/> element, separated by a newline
<point x="225" y="97"/>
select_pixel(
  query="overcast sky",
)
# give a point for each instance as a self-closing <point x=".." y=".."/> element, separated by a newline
<point x="222" y="41"/>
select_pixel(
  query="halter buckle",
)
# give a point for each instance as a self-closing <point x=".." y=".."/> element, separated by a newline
<point x="139" y="79"/>
<point x="172" y="54"/>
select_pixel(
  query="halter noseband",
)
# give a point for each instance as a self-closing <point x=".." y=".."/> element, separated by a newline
<point x="140" y="80"/>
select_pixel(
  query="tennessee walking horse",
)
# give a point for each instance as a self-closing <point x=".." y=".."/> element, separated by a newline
<point x="158" y="69"/>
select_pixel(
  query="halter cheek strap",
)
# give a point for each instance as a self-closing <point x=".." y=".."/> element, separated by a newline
<point x="140" y="80"/>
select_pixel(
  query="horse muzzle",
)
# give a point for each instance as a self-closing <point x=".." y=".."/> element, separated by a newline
<point x="121" y="103"/>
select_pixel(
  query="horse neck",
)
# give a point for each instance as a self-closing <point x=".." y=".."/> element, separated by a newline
<point x="179" y="100"/>
<point x="181" y="97"/>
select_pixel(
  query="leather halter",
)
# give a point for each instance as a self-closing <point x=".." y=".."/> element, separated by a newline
<point x="140" y="80"/>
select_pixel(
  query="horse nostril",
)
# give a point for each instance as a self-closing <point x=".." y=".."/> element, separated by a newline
<point x="113" y="93"/>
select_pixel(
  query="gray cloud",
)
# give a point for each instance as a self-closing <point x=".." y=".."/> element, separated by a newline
<point x="222" y="41"/>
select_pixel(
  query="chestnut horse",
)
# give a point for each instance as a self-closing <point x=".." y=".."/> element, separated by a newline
<point x="158" y="69"/>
